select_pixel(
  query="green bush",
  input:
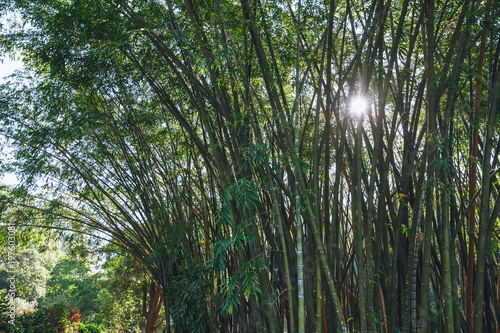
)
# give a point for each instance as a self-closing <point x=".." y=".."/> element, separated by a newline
<point x="58" y="317"/>
<point x="52" y="321"/>
<point x="3" y="301"/>
<point x="30" y="322"/>
<point x="89" y="328"/>
<point x="4" y="318"/>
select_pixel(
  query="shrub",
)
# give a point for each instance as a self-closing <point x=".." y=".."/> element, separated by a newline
<point x="58" y="317"/>
<point x="89" y="328"/>
<point x="30" y="322"/>
<point x="74" y="315"/>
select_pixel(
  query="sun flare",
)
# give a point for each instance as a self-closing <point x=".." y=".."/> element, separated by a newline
<point x="359" y="105"/>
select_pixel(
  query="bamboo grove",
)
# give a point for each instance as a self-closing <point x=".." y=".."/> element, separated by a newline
<point x="217" y="143"/>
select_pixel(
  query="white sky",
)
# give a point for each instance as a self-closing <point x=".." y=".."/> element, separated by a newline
<point x="9" y="66"/>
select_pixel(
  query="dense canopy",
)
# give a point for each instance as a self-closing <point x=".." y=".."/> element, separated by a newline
<point x="274" y="166"/>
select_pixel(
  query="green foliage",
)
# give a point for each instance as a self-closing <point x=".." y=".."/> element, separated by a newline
<point x="31" y="322"/>
<point x="120" y="296"/>
<point x="90" y="328"/>
<point x="255" y="155"/>
<point x="32" y="271"/>
<point x="245" y="192"/>
<point x="58" y="317"/>
<point x="189" y="299"/>
<point x="73" y="285"/>
<point x="3" y="301"/>
<point x="242" y="283"/>
<point x="51" y="277"/>
<point x="4" y="316"/>
<point x="165" y="127"/>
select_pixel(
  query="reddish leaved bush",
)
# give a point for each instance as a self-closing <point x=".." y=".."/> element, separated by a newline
<point x="74" y="315"/>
